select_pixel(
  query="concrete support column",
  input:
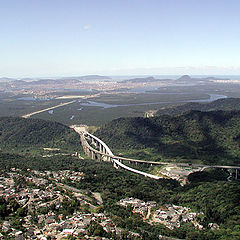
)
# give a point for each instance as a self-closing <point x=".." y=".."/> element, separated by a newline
<point x="88" y="152"/>
<point x="115" y="165"/>
<point x="93" y="155"/>
<point x="236" y="177"/>
<point x="100" y="148"/>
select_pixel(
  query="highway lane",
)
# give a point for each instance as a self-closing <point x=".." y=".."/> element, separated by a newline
<point x="47" y="109"/>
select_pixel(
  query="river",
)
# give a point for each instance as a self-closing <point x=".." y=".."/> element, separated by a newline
<point x="212" y="97"/>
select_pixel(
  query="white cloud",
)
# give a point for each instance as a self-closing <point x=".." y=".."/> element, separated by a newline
<point x="86" y="27"/>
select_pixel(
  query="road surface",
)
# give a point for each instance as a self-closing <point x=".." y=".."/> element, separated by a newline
<point x="47" y="109"/>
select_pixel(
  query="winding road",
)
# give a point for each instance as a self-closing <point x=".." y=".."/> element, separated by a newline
<point x="105" y="152"/>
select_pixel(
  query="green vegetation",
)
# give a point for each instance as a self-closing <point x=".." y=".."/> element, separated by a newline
<point x="12" y="106"/>
<point x="53" y="163"/>
<point x="207" y="137"/>
<point x="96" y="115"/>
<point x="90" y="115"/>
<point x="32" y="135"/>
<point x="226" y="104"/>
<point x="219" y="200"/>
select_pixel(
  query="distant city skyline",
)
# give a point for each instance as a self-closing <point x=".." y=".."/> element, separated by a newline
<point x="43" y="38"/>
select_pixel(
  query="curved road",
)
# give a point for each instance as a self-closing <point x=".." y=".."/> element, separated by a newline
<point x="117" y="160"/>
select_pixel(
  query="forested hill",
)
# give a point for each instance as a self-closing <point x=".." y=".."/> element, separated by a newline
<point x="211" y="137"/>
<point x="16" y="132"/>
<point x="225" y="104"/>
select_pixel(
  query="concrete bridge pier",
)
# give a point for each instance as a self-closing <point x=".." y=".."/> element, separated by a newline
<point x="115" y="165"/>
<point x="93" y="155"/>
<point x="236" y="177"/>
<point x="99" y="157"/>
<point x="89" y="153"/>
<point x="94" y="142"/>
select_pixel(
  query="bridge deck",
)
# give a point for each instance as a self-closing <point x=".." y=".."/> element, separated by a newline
<point x="117" y="160"/>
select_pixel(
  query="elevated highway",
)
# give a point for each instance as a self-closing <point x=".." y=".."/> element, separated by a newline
<point x="102" y="152"/>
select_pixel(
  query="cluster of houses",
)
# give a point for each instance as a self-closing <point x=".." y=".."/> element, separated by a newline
<point x="169" y="215"/>
<point x="59" y="176"/>
<point x="172" y="216"/>
<point x="41" y="193"/>
<point x="68" y="175"/>
<point x="138" y="206"/>
<point x="55" y="228"/>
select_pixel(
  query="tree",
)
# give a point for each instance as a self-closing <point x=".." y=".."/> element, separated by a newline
<point x="95" y="229"/>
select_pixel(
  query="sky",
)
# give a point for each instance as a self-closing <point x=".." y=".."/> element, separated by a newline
<point x="40" y="38"/>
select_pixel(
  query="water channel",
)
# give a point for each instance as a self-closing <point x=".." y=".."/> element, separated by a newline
<point x="212" y="97"/>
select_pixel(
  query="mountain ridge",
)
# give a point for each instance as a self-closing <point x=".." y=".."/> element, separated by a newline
<point x="225" y="104"/>
<point x="209" y="137"/>
<point x="20" y="133"/>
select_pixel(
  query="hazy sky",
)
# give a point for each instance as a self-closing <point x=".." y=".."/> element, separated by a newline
<point x="119" y="37"/>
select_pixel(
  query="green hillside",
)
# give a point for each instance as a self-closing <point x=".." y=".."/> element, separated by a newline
<point x="218" y="200"/>
<point x="204" y="137"/>
<point x="32" y="134"/>
<point x="225" y="104"/>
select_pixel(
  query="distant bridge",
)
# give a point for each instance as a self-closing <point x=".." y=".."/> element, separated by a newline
<point x="47" y="109"/>
<point x="103" y="152"/>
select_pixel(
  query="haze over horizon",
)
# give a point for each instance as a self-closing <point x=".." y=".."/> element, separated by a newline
<point x="137" y="37"/>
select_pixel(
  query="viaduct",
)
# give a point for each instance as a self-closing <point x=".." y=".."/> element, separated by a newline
<point x="102" y="152"/>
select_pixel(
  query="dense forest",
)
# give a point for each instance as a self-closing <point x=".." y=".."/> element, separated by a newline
<point x="19" y="134"/>
<point x="225" y="104"/>
<point x="204" y="137"/>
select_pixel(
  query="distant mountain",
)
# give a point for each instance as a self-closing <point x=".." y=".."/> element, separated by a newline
<point x="94" y="77"/>
<point x="144" y="80"/>
<point x="225" y="104"/>
<point x="5" y="79"/>
<point x="184" y="78"/>
<point x="65" y="80"/>
<point x="211" y="137"/>
<point x="187" y="78"/>
<point x="54" y="81"/>
<point x="18" y="82"/>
